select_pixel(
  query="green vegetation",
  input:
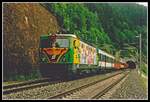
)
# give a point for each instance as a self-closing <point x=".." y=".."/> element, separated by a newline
<point x="10" y="82"/>
<point x="144" y="69"/>
<point x="144" y="81"/>
<point x="35" y="74"/>
<point x="101" y="23"/>
<point x="78" y="19"/>
<point x="110" y="26"/>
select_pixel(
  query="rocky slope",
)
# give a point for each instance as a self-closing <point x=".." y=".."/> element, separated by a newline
<point x="22" y="25"/>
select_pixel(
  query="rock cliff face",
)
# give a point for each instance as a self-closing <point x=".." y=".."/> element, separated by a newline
<point x="23" y="23"/>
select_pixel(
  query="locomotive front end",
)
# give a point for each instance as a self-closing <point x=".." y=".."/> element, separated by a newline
<point x="55" y="54"/>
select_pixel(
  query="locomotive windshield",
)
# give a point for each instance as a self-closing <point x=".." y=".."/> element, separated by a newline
<point x="59" y="43"/>
<point x="62" y="43"/>
<point x="44" y="43"/>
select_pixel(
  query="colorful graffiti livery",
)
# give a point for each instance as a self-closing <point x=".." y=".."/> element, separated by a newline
<point x="87" y="54"/>
<point x="54" y="54"/>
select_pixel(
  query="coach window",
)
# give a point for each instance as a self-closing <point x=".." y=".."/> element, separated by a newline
<point x="99" y="56"/>
<point x="110" y="60"/>
<point x="81" y="45"/>
<point x="107" y="59"/>
<point x="102" y="57"/>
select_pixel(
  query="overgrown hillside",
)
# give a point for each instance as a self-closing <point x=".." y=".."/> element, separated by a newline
<point x="109" y="26"/>
<point x="112" y="27"/>
<point x="22" y="26"/>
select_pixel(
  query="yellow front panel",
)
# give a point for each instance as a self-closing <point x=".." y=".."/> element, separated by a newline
<point x="76" y="56"/>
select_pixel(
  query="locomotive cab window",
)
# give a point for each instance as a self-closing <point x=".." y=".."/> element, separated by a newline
<point x="59" y="43"/>
<point x="44" y="43"/>
<point x="62" y="43"/>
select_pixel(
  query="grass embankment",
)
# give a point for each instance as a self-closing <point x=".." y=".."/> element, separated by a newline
<point x="144" y="71"/>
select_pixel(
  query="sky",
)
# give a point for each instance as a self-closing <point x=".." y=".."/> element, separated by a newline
<point x="143" y="3"/>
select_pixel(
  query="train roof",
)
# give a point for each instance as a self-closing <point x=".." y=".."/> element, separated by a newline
<point x="69" y="35"/>
<point x="106" y="54"/>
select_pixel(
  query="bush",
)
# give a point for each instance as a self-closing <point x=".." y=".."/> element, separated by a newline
<point x="144" y="69"/>
<point x="34" y="75"/>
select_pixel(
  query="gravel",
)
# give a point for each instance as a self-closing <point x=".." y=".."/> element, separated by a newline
<point x="131" y="88"/>
<point x="44" y="92"/>
<point x="89" y="92"/>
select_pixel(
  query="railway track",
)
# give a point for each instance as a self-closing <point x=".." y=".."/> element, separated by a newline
<point x="105" y="90"/>
<point x="7" y="89"/>
<point x="92" y="90"/>
<point x="24" y="83"/>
